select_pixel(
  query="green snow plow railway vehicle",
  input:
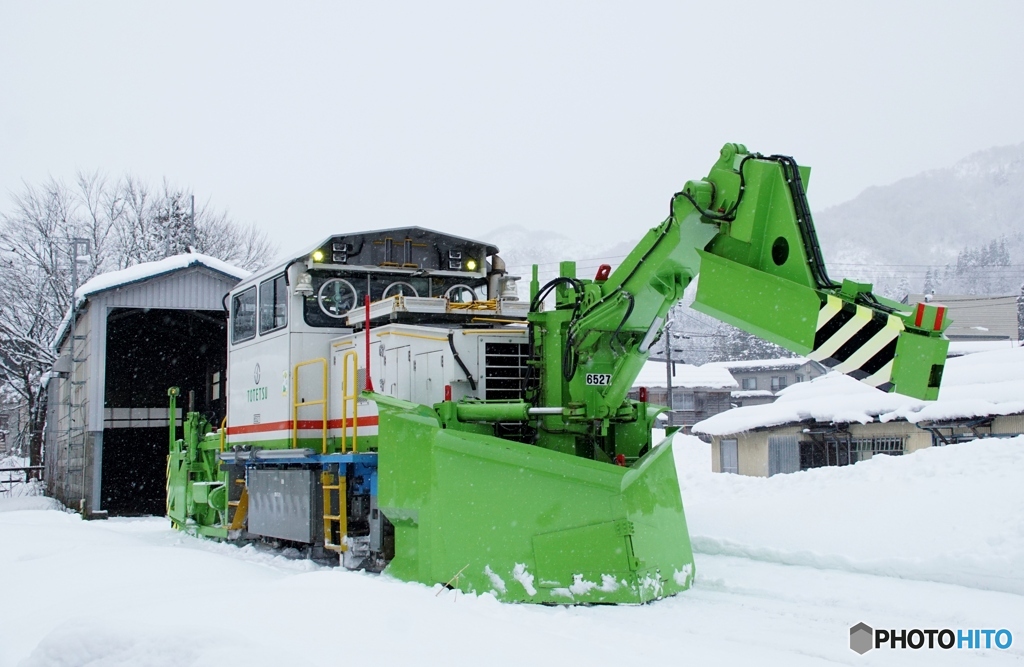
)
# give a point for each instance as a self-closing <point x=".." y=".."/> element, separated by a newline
<point x="390" y="398"/>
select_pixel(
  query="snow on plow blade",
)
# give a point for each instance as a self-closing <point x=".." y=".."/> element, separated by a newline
<point x="485" y="514"/>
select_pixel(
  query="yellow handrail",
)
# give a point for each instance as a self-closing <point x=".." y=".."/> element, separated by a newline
<point x="296" y="404"/>
<point x="223" y="424"/>
<point x="346" y="396"/>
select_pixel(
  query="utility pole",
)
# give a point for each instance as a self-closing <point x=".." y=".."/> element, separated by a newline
<point x="669" y="368"/>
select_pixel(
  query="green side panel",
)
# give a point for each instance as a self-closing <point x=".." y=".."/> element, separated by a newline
<point x="917" y="368"/>
<point x="661" y="541"/>
<point x="563" y="553"/>
<point x="527" y="523"/>
<point x="177" y="487"/>
<point x="773" y="308"/>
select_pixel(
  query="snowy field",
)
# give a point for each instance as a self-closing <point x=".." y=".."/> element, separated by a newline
<point x="785" y="566"/>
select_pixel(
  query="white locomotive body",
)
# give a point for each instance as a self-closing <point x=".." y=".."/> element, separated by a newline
<point x="441" y="309"/>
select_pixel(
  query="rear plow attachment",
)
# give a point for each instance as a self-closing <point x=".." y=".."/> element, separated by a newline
<point x="483" y="514"/>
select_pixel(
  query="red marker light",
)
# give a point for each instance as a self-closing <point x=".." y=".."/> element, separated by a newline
<point x="447" y="392"/>
<point x="620" y="460"/>
<point x="603" y="272"/>
<point x="643" y="394"/>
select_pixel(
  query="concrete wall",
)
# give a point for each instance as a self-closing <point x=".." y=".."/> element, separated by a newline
<point x="913" y="437"/>
<point x="68" y="444"/>
<point x="1008" y="425"/>
<point x="751" y="448"/>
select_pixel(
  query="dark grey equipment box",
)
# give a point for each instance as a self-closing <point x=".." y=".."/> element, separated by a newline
<point x="280" y="504"/>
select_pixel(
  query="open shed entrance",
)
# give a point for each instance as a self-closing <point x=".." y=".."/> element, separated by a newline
<point x="147" y="351"/>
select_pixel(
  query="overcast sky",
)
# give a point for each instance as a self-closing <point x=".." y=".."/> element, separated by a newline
<point x="582" y="118"/>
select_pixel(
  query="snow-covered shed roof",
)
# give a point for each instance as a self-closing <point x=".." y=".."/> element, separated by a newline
<point x="653" y="374"/>
<point x="762" y="364"/>
<point x="975" y="385"/>
<point x="141" y="272"/>
<point x="147" y="270"/>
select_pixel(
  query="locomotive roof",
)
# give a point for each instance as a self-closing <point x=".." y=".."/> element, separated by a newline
<point x="407" y="231"/>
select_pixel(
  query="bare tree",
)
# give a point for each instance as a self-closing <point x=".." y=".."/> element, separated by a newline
<point x="35" y="269"/>
<point x="126" y="222"/>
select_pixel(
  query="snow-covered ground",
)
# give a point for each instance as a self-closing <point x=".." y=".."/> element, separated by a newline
<point x="785" y="566"/>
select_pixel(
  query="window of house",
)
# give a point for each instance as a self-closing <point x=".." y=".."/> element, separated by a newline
<point x="729" y="453"/>
<point x="749" y="384"/>
<point x="273" y="304"/>
<point x="799" y="378"/>
<point x="778" y="382"/>
<point x="867" y="447"/>
<point x="683" y="399"/>
<point x="243" y="316"/>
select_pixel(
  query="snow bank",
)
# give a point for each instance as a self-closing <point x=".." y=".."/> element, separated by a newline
<point x="28" y="497"/>
<point x="944" y="514"/>
<point x="981" y="384"/>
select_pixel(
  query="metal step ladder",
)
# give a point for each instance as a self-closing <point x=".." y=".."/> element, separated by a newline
<point x="77" y="402"/>
<point x="238" y="510"/>
<point x="335" y="487"/>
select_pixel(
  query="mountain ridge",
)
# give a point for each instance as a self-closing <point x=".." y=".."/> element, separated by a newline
<point x="897" y="235"/>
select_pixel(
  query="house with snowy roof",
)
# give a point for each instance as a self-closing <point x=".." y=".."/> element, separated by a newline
<point x="129" y="336"/>
<point x="761" y="379"/>
<point x="836" y="420"/>
<point x="697" y="393"/>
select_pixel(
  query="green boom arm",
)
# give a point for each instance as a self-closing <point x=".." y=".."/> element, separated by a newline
<point x="747" y="229"/>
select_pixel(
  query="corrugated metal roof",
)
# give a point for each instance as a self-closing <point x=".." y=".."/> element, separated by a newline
<point x="976" y="317"/>
<point x="194" y="288"/>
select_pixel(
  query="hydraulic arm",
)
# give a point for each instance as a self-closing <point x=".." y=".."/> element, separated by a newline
<point x="747" y="229"/>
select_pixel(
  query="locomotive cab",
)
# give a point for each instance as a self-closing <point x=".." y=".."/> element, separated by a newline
<point x="425" y="315"/>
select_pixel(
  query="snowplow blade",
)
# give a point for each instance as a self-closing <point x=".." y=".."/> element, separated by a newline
<point x="483" y="514"/>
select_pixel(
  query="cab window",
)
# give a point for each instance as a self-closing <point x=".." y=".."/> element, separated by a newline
<point x="273" y="304"/>
<point x="243" y="315"/>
